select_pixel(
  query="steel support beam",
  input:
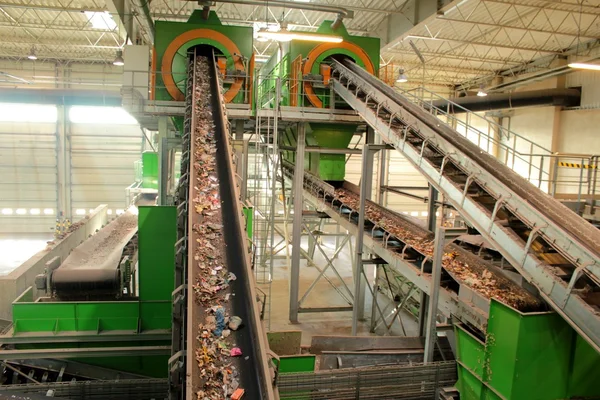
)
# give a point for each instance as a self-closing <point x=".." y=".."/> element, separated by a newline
<point x="358" y="269"/>
<point x="63" y="157"/>
<point x="132" y="351"/>
<point x="122" y="13"/>
<point x="323" y="150"/>
<point x="163" y="165"/>
<point x="432" y="308"/>
<point x="297" y="224"/>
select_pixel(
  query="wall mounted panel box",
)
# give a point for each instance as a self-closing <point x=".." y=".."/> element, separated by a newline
<point x="303" y="72"/>
<point x="108" y="303"/>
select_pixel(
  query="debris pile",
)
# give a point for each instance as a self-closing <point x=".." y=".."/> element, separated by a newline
<point x="468" y="270"/>
<point x="218" y="376"/>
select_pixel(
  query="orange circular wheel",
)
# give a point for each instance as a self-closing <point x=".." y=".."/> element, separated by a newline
<point x="180" y="41"/>
<point x="314" y="54"/>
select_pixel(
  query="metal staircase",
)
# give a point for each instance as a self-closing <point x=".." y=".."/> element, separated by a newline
<point x="552" y="247"/>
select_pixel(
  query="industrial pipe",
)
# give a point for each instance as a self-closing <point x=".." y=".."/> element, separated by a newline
<point x="340" y="11"/>
<point x="545" y="97"/>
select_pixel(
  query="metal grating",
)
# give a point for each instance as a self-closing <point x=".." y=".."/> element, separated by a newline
<point x="131" y="389"/>
<point x="416" y="381"/>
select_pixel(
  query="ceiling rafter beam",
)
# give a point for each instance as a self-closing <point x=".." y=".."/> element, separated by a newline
<point x="490" y="60"/>
<point x="488" y="24"/>
<point x="486" y="44"/>
<point x="51" y="8"/>
<point x="550" y="5"/>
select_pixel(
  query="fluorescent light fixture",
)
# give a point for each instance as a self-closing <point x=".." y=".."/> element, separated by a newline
<point x="21" y="211"/>
<point x="119" y="62"/>
<point x="481" y="92"/>
<point x="80" y="211"/>
<point x="592" y="67"/>
<point x="32" y="55"/>
<point x="34" y="211"/>
<point x="48" y="211"/>
<point x="109" y="212"/>
<point x="402" y="78"/>
<point x="284" y="35"/>
<point x="7" y="211"/>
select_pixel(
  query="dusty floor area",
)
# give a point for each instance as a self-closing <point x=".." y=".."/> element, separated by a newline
<point x="324" y="295"/>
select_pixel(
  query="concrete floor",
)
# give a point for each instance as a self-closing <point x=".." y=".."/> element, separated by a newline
<point x="324" y="295"/>
<point x="19" y="247"/>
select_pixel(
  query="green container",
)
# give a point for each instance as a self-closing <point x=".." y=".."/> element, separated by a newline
<point x="525" y="356"/>
<point x="329" y="167"/>
<point x="150" y="170"/>
<point x="80" y="323"/>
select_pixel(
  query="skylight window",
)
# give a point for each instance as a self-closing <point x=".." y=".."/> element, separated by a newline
<point x="101" y="20"/>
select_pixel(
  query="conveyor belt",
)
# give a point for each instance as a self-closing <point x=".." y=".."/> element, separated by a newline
<point x="468" y="282"/>
<point x="213" y="245"/>
<point x="91" y="271"/>
<point x="552" y="247"/>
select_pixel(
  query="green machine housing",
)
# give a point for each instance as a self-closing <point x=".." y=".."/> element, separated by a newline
<point x="302" y="68"/>
<point x="232" y="45"/>
<point x="115" y="325"/>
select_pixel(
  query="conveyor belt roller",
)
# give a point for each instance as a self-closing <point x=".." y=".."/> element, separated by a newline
<point x="552" y="247"/>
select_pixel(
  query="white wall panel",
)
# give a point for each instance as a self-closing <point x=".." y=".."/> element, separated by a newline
<point x="27" y="176"/>
<point x="102" y="158"/>
<point x="589" y="81"/>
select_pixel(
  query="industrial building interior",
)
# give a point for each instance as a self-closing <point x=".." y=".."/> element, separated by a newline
<point x="299" y="199"/>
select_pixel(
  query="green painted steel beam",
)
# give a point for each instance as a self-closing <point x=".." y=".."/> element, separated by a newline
<point x="76" y="338"/>
<point x="132" y="351"/>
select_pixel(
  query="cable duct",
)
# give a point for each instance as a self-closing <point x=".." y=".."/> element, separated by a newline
<point x="546" y="97"/>
<point x="340" y="11"/>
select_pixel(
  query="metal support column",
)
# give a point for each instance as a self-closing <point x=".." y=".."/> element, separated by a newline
<point x="367" y="176"/>
<point x="63" y="162"/>
<point x="431" y="208"/>
<point x="244" y="175"/>
<point x="383" y="161"/>
<point x="359" y="242"/>
<point x="163" y="165"/>
<point x="438" y="255"/>
<point x="297" y="224"/>
<point x="431" y="225"/>
<point x="374" y="303"/>
<point x="239" y="129"/>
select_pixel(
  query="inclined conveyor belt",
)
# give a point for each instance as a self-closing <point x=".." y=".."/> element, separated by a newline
<point x="92" y="269"/>
<point x="217" y="268"/>
<point x="552" y="247"/>
<point x="468" y="281"/>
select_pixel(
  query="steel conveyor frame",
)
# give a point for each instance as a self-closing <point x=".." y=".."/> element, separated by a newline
<point x="434" y="149"/>
<point x="254" y="373"/>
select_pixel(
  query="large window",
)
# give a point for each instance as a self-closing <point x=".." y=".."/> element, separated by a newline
<point x="19" y="112"/>
<point x="100" y="115"/>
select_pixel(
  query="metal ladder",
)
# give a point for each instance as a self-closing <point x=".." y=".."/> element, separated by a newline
<point x="550" y="246"/>
<point x="265" y="190"/>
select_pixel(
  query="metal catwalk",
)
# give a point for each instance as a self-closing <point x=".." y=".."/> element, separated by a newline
<point x="550" y="246"/>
